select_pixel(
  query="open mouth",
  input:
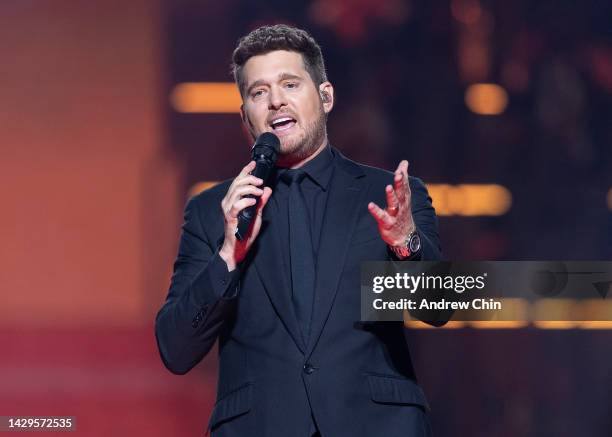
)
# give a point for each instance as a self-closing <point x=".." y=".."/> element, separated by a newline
<point x="282" y="124"/>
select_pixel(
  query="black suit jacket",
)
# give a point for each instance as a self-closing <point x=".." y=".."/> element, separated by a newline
<point x="355" y="378"/>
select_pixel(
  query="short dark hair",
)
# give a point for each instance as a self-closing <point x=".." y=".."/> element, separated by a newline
<point x="266" y="39"/>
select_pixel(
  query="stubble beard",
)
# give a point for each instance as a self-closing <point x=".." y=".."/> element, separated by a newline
<point x="301" y="148"/>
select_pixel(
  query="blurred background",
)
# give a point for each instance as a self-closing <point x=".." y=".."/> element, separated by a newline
<point x="113" y="113"/>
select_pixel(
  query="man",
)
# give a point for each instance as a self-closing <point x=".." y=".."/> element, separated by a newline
<point x="284" y="303"/>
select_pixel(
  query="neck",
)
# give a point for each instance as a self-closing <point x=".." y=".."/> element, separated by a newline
<point x="289" y="163"/>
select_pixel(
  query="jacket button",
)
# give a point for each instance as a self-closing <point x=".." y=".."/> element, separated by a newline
<point x="196" y="320"/>
<point x="309" y="368"/>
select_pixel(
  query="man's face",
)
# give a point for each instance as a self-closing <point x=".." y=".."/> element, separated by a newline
<point x="280" y="97"/>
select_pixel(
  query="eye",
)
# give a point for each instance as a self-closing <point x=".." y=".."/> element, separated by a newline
<point x="291" y="85"/>
<point x="257" y="93"/>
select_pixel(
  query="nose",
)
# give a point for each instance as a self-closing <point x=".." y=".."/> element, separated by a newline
<point x="277" y="99"/>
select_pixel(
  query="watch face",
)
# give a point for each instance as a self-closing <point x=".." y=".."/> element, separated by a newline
<point x="415" y="243"/>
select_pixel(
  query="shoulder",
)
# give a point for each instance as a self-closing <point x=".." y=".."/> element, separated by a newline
<point x="375" y="175"/>
<point x="216" y="192"/>
<point x="208" y="201"/>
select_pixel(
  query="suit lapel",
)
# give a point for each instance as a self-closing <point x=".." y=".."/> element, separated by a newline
<point x="341" y="212"/>
<point x="270" y="268"/>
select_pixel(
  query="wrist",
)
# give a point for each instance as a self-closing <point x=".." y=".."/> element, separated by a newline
<point x="401" y="241"/>
<point x="409" y="246"/>
<point x="227" y="255"/>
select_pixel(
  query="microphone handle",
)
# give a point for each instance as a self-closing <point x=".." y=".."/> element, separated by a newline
<point x="262" y="171"/>
<point x="243" y="227"/>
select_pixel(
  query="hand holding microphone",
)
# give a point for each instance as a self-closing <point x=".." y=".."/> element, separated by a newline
<point x="245" y="199"/>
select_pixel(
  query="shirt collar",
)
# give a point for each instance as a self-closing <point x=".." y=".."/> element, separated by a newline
<point x="319" y="169"/>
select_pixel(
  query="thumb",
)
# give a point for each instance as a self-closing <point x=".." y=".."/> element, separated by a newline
<point x="264" y="200"/>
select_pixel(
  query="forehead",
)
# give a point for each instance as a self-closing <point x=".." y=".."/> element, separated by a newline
<point x="268" y="67"/>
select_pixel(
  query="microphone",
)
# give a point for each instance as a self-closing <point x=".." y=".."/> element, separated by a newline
<point x="264" y="153"/>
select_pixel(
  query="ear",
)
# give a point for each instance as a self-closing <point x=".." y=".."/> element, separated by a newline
<point x="246" y="122"/>
<point x="243" y="115"/>
<point x="245" y="119"/>
<point x="326" y="91"/>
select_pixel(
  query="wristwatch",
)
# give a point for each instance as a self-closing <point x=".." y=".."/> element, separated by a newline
<point x="411" y="246"/>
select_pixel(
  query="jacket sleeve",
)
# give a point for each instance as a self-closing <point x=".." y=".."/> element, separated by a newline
<point x="426" y="222"/>
<point x="200" y="295"/>
<point x="424" y="216"/>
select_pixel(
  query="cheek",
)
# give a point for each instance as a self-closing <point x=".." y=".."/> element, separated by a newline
<point x="309" y="109"/>
<point x="255" y="117"/>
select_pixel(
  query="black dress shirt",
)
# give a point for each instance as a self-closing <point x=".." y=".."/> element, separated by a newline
<point x="315" y="188"/>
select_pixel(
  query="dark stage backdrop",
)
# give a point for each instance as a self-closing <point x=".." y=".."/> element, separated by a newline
<point x="502" y="108"/>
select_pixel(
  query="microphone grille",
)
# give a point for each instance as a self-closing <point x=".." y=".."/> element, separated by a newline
<point x="268" y="139"/>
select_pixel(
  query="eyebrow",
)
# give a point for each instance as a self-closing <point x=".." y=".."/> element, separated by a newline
<point x="281" y="77"/>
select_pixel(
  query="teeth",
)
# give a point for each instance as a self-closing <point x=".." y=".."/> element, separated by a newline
<point x="281" y="120"/>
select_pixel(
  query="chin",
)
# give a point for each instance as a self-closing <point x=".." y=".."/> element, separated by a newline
<point x="291" y="146"/>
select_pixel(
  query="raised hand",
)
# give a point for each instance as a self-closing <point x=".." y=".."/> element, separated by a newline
<point x="233" y="251"/>
<point x="395" y="222"/>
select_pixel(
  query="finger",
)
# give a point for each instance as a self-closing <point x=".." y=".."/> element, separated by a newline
<point x="237" y="190"/>
<point x="267" y="192"/>
<point x="243" y="191"/>
<point x="399" y="167"/>
<point x="247" y="168"/>
<point x="240" y="205"/>
<point x="380" y="215"/>
<point x="405" y="164"/>
<point x="244" y="172"/>
<point x="241" y="180"/>
<point x="392" y="201"/>
<point x="399" y="187"/>
<point x="244" y="182"/>
<point x="248" y="179"/>
<point x="406" y="178"/>
<point x="400" y="182"/>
